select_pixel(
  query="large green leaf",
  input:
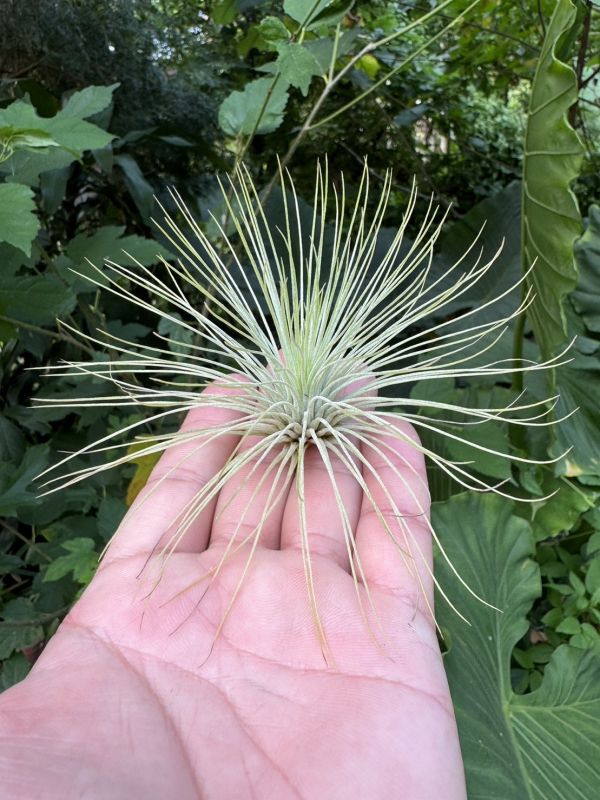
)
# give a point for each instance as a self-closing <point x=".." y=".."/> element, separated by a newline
<point x="88" y="101"/>
<point x="18" y="222"/>
<point x="78" y="135"/>
<point x="38" y="299"/>
<point x="496" y="220"/>
<point x="69" y="136"/>
<point x="108" y="243"/>
<point x="15" y="482"/>
<point x="586" y="298"/>
<point x="560" y="512"/>
<point x="551" y="160"/>
<point x="579" y="388"/>
<point x="540" y="746"/>
<point x="81" y="560"/>
<point x="579" y="381"/>
<point x="67" y="130"/>
<point x="12" y="441"/>
<point x="140" y="189"/>
<point x="27" y="166"/>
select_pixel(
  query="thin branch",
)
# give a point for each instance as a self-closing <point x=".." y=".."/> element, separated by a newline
<point x="541" y="19"/>
<point x="590" y="77"/>
<point x="500" y="34"/>
<point x="380" y="177"/>
<point x="24" y="70"/>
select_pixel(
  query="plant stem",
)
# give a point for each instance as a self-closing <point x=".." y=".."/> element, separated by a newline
<point x="64" y="337"/>
<point x="517" y="376"/>
<point x="541" y="19"/>
<point x="517" y="433"/>
<point x="30" y="543"/>
<point x="331" y="84"/>
<point x="581" y="56"/>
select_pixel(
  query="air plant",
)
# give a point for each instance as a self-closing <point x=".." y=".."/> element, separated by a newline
<point x="307" y="336"/>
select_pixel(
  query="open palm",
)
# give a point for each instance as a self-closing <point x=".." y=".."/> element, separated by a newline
<point x="135" y="698"/>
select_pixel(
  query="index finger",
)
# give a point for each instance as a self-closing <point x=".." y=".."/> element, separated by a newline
<point x="176" y="481"/>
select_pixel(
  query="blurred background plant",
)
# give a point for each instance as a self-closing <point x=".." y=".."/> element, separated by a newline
<point x="494" y="107"/>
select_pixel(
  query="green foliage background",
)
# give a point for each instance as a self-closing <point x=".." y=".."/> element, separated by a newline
<point x="494" y="107"/>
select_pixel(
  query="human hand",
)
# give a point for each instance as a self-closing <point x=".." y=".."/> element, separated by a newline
<point x="134" y="698"/>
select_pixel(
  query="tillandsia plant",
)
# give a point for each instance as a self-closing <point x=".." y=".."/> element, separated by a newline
<point x="302" y="338"/>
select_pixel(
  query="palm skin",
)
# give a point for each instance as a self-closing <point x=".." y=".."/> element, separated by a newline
<point x="135" y="698"/>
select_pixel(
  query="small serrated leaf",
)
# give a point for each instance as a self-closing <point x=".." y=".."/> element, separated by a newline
<point x="297" y="65"/>
<point x="81" y="560"/>
<point x="259" y="108"/>
<point x="89" y="101"/>
<point x="18" y="222"/>
<point x="272" y="32"/>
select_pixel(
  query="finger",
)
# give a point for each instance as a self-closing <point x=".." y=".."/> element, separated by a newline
<point x="251" y="503"/>
<point x="332" y="502"/>
<point x="176" y="482"/>
<point x="393" y="537"/>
